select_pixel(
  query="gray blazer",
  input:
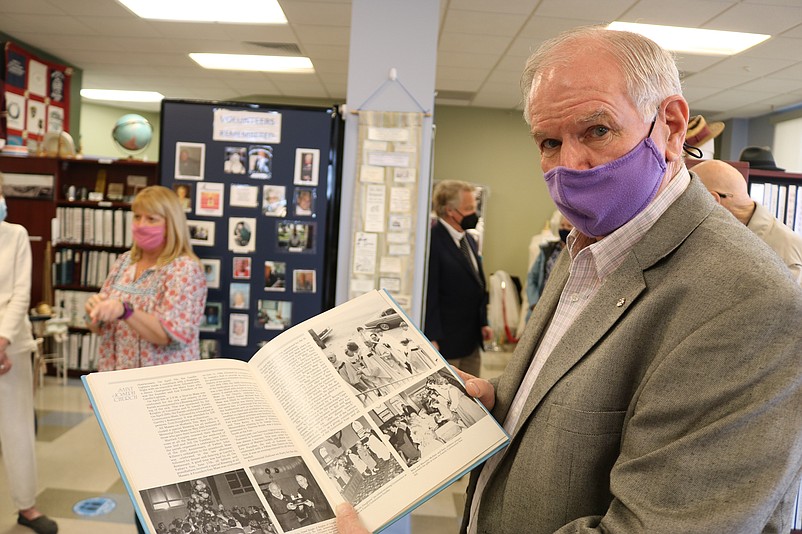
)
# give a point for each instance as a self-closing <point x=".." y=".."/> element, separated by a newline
<point x="674" y="402"/>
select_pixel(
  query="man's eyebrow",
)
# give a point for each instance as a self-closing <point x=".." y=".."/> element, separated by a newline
<point x="596" y="116"/>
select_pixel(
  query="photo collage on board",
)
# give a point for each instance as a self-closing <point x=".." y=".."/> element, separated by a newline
<point x="227" y="208"/>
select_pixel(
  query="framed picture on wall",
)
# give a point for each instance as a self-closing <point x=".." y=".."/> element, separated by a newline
<point x="190" y="159"/>
<point x="201" y="233"/>
<point x="307" y="161"/>
<point x="211" y="268"/>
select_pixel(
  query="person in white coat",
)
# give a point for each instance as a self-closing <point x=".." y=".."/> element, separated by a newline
<point x="16" y="375"/>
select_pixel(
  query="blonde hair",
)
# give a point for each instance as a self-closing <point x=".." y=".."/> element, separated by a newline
<point x="447" y="194"/>
<point x="159" y="200"/>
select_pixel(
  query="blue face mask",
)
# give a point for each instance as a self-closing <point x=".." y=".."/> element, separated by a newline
<point x="3" y="209"/>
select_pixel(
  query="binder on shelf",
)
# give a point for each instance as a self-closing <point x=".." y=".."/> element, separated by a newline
<point x="119" y="229"/>
<point x="108" y="228"/>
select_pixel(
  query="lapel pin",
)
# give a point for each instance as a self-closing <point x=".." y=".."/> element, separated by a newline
<point x="620" y="302"/>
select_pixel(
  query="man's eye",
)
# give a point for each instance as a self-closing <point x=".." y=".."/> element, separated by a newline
<point x="599" y="131"/>
<point x="549" y="144"/>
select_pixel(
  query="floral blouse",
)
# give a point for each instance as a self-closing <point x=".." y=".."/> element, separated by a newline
<point x="175" y="293"/>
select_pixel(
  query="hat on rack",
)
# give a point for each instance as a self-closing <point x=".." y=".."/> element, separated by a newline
<point x="759" y="157"/>
<point x="700" y="132"/>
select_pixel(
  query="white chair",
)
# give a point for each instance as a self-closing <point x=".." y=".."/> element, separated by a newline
<point x="56" y="328"/>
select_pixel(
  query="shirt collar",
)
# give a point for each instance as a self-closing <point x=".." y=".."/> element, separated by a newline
<point x="455" y="235"/>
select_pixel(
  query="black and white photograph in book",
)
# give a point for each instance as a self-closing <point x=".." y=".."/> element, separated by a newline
<point x="424" y="417"/>
<point x="292" y="493"/>
<point x="295" y="236"/>
<point x="217" y="503"/>
<point x="260" y="162"/>
<point x="373" y="355"/>
<point x="357" y="460"/>
<point x="189" y="160"/>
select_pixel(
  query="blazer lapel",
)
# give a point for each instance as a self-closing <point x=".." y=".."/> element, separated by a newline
<point x="609" y="304"/>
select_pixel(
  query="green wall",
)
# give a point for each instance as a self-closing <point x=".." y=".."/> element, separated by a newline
<point x="96" y="124"/>
<point x="493" y="148"/>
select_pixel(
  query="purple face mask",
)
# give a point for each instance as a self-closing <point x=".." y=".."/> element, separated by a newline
<point x="600" y="200"/>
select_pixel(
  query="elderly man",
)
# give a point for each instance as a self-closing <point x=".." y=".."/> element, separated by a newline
<point x="728" y="187"/>
<point x="657" y="385"/>
<point x="456" y="297"/>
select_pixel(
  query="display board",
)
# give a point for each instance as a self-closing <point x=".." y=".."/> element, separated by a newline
<point x="259" y="184"/>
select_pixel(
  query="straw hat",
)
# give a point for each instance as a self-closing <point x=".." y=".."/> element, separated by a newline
<point x="699" y="131"/>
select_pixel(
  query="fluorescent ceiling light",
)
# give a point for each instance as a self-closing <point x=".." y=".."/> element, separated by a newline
<point x="122" y="96"/>
<point x="694" y="40"/>
<point x="253" y="62"/>
<point x="230" y="11"/>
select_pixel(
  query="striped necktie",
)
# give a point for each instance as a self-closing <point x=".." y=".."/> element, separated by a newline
<point x="464" y="247"/>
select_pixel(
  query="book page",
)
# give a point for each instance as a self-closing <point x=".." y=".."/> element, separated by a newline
<point x="198" y="442"/>
<point x="382" y="413"/>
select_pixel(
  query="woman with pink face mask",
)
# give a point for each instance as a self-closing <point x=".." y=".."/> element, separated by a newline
<point x="150" y="306"/>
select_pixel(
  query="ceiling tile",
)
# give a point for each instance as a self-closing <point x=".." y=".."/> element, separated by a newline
<point x="479" y="23"/>
<point x="606" y="11"/>
<point x="470" y="43"/>
<point x="318" y="13"/>
<point x="754" y="18"/>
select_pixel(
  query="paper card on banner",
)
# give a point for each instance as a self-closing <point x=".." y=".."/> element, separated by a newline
<point x="365" y="246"/>
<point x="246" y="196"/>
<point x="398" y="238"/>
<point x="410" y="149"/>
<point x="399" y="223"/>
<point x="388" y="159"/>
<point x="36" y="117"/>
<point x="362" y="286"/>
<point x="247" y="126"/>
<point x="374" y="208"/>
<point x="370" y="174"/>
<point x="404" y="175"/>
<point x="37" y="78"/>
<point x="374" y="146"/>
<point x="399" y="135"/>
<point x="390" y="284"/>
<point x="399" y="250"/>
<point x="15" y="105"/>
<point x="55" y="119"/>
<point x="400" y="200"/>
<point x="390" y="264"/>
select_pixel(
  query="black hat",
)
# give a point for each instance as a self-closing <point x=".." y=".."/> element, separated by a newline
<point x="759" y="157"/>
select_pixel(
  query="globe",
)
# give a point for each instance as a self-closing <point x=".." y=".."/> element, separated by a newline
<point x="132" y="133"/>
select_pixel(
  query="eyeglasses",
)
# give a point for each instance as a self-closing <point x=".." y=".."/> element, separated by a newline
<point x="724" y="195"/>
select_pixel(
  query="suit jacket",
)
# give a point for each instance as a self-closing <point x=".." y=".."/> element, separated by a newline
<point x="672" y="404"/>
<point x="456" y="304"/>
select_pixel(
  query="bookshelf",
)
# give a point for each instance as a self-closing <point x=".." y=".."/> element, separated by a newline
<point x="77" y="213"/>
<point x="781" y="193"/>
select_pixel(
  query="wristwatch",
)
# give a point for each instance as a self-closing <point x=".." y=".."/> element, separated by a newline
<point x="128" y="311"/>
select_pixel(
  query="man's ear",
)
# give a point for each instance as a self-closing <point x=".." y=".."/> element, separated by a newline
<point x="676" y="114"/>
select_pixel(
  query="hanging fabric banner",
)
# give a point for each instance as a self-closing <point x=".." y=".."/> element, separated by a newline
<point x="385" y="209"/>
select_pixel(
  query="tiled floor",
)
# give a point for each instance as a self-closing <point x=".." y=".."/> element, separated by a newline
<point x="75" y="465"/>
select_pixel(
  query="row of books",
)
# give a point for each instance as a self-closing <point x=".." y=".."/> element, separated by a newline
<point x="81" y="350"/>
<point x="92" y="226"/>
<point x="73" y="303"/>
<point x="87" y="268"/>
<point x="784" y="201"/>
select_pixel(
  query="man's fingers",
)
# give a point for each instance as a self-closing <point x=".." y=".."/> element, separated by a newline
<point x="348" y="521"/>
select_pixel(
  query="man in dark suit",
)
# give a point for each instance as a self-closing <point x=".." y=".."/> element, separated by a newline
<point x="456" y="297"/>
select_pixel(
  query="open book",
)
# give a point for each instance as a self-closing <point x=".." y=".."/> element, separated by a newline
<point x="352" y="405"/>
